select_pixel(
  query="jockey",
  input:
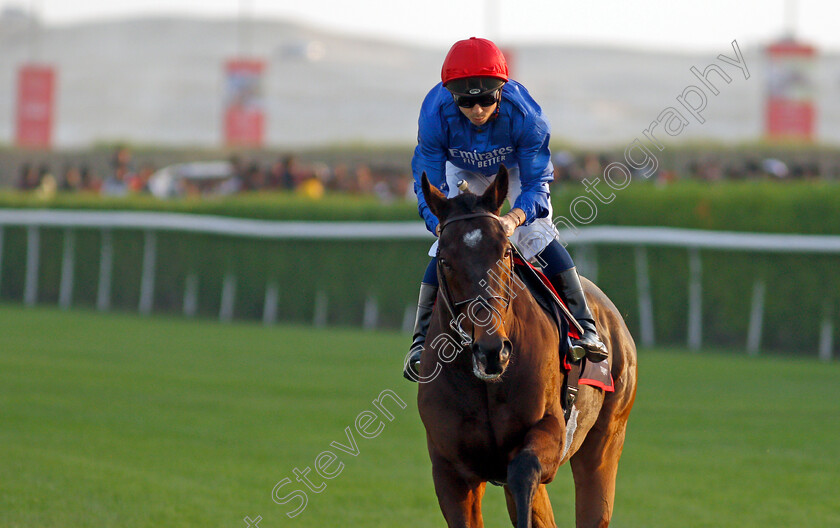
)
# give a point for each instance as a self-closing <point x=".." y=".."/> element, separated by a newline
<point x="473" y="121"/>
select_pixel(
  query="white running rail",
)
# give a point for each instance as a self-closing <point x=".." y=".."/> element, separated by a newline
<point x="583" y="239"/>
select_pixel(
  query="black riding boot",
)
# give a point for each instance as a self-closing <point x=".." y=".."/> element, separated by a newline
<point x="425" y="303"/>
<point x="567" y="284"/>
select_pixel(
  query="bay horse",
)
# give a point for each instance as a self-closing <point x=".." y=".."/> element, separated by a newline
<point x="492" y="407"/>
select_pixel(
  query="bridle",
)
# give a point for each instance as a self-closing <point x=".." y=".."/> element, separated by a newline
<point x="452" y="305"/>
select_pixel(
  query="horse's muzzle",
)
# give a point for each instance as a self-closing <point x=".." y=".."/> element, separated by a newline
<point x="490" y="361"/>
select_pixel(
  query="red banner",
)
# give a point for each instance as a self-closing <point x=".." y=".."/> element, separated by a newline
<point x="244" y="113"/>
<point x="34" y="116"/>
<point x="790" y="111"/>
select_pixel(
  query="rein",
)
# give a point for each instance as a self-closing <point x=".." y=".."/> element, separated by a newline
<point x="446" y="294"/>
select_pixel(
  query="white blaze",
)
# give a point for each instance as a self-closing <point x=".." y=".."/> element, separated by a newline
<point x="472" y="238"/>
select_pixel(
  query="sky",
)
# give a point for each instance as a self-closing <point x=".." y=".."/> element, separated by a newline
<point x="679" y="25"/>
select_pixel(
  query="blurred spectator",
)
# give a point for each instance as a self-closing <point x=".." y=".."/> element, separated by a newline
<point x="311" y="188"/>
<point x="237" y="165"/>
<point x="705" y="169"/>
<point x="291" y="176"/>
<point x="383" y="191"/>
<point x="139" y="181"/>
<point x="340" y="178"/>
<point x="253" y="178"/>
<point x="90" y="182"/>
<point x="364" y="180"/>
<point x="389" y="182"/>
<point x="275" y="175"/>
<point x="804" y="170"/>
<point x="663" y="177"/>
<point x="71" y="179"/>
<point x="116" y="184"/>
<point x="563" y="162"/>
<point x="752" y="169"/>
<point x="232" y="185"/>
<point x="122" y="158"/>
<point x="48" y="185"/>
<point x="403" y="187"/>
<point x="29" y="179"/>
<point x="593" y="167"/>
<point x="44" y="173"/>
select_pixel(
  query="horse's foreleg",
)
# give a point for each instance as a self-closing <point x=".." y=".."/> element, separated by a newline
<point x="535" y="463"/>
<point x="594" y="467"/>
<point x="460" y="501"/>
<point x="542" y="516"/>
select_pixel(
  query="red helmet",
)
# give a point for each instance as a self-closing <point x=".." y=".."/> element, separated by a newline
<point x="474" y="67"/>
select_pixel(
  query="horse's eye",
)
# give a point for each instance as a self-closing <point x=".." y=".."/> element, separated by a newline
<point x="445" y="264"/>
<point x="508" y="252"/>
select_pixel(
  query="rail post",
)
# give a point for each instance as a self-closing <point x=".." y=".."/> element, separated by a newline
<point x="645" y="302"/>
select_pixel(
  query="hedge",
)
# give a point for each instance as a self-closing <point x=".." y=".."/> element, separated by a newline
<point x="774" y="207"/>
<point x="761" y="206"/>
<point x="799" y="287"/>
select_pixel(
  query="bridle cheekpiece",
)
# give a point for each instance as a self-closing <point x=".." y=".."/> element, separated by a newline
<point x="453" y="306"/>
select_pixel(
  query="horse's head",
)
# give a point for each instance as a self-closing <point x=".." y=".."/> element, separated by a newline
<point x="475" y="263"/>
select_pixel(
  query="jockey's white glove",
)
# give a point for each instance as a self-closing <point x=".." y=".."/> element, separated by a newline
<point x="512" y="220"/>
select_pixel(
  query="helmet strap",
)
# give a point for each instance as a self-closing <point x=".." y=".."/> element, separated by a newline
<point x="498" y="105"/>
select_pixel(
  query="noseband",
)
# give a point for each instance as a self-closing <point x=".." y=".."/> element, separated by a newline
<point x="453" y="306"/>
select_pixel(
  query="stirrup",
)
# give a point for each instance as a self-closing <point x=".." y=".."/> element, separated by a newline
<point x="576" y="352"/>
<point x="593" y="349"/>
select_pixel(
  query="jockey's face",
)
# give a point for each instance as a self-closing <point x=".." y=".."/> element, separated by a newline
<point x="477" y="114"/>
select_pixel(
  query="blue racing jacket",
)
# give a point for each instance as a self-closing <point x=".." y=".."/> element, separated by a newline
<point x="517" y="136"/>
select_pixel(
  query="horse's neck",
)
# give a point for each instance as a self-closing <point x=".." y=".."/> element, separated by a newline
<point x="530" y="325"/>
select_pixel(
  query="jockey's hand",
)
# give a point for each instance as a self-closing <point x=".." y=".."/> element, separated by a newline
<point x="512" y="220"/>
<point x="437" y="230"/>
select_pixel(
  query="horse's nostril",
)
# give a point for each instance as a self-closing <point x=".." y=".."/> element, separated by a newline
<point x="506" y="349"/>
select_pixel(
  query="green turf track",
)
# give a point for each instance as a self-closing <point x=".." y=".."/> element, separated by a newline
<point x="122" y="421"/>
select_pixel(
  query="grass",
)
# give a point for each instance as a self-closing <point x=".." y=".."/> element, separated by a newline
<point x="117" y="420"/>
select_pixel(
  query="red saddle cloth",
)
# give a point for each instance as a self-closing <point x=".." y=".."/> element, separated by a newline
<point x="594" y="374"/>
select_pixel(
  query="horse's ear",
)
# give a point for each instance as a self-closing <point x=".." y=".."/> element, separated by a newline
<point x="434" y="198"/>
<point x="495" y="195"/>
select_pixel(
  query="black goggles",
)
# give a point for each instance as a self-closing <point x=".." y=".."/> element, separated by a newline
<point x="468" y="101"/>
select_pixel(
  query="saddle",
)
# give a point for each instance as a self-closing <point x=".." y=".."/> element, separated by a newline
<point x="581" y="372"/>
